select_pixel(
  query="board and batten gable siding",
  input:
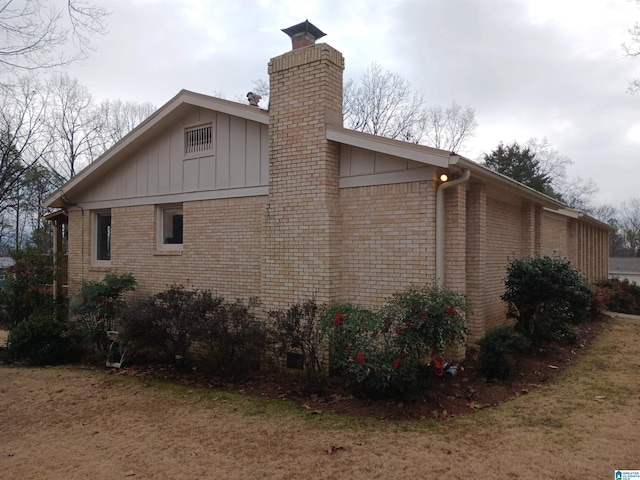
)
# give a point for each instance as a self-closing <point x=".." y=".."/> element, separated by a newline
<point x="238" y="159"/>
<point x="359" y="166"/>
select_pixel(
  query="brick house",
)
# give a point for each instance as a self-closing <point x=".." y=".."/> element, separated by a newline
<point x="287" y="204"/>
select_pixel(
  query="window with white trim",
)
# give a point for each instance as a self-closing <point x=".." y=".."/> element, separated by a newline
<point x="170" y="227"/>
<point x="102" y="236"/>
<point x="198" y="139"/>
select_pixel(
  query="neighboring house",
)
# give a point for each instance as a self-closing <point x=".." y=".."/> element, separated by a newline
<point x="625" y="268"/>
<point x="286" y="204"/>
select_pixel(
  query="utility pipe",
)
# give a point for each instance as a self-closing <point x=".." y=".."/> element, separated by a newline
<point x="440" y="223"/>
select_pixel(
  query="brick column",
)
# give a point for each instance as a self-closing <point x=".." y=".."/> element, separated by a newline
<point x="301" y="248"/>
<point x="531" y="227"/>
<point x="477" y="258"/>
<point x="455" y="243"/>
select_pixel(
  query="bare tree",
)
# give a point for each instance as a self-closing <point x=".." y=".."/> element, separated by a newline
<point x="630" y="226"/>
<point x="23" y="135"/>
<point x="32" y="32"/>
<point x="449" y="128"/>
<point x="75" y="125"/>
<point x="575" y="192"/>
<point x="383" y="103"/>
<point x="632" y="49"/>
<point x="119" y="118"/>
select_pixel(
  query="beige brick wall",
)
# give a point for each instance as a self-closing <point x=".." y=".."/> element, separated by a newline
<point x="221" y="250"/>
<point x="387" y="240"/>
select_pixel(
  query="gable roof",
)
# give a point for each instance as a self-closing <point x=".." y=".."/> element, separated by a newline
<point x="186" y="99"/>
<point x="162" y="117"/>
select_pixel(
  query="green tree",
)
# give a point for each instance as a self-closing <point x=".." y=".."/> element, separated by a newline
<point x="520" y="164"/>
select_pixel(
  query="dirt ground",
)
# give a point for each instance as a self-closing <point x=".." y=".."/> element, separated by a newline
<point x="73" y="423"/>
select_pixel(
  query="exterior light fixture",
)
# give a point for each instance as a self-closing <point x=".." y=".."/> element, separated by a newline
<point x="444" y="177"/>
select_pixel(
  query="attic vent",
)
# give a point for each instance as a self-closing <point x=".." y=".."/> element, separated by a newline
<point x="198" y="139"/>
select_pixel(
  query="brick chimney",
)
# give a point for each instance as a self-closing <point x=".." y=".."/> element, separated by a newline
<point x="301" y="223"/>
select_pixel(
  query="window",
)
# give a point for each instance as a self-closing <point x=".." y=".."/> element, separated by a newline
<point x="198" y="140"/>
<point x="102" y="236"/>
<point x="170" y="227"/>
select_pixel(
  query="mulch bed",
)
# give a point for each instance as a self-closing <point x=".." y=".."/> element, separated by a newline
<point x="446" y="397"/>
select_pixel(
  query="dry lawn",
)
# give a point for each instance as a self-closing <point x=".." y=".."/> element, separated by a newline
<point x="67" y="423"/>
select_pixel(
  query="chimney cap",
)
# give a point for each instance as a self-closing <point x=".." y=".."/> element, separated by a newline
<point x="305" y="31"/>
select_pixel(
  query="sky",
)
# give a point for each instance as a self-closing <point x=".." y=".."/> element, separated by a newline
<point x="529" y="68"/>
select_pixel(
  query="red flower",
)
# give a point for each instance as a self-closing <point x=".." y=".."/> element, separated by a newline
<point x="423" y="316"/>
<point x="338" y="319"/>
<point x="409" y="324"/>
<point x="399" y="331"/>
<point x="360" y="358"/>
<point x="396" y="363"/>
<point x="450" y="310"/>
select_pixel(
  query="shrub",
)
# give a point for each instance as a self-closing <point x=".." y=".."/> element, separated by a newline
<point x="619" y="296"/>
<point x="364" y="351"/>
<point x="167" y="321"/>
<point x="546" y="296"/>
<point x="383" y="353"/>
<point x="177" y="320"/>
<point x="45" y="340"/>
<point x="100" y="304"/>
<point x="429" y="318"/>
<point x="495" y="346"/>
<point x="27" y="288"/>
<point x="297" y="331"/>
<point x="234" y="337"/>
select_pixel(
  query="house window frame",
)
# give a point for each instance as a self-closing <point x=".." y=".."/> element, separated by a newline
<point x="160" y="227"/>
<point x="197" y="140"/>
<point x="95" y="231"/>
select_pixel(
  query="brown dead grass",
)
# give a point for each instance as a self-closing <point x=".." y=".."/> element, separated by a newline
<point x="82" y="424"/>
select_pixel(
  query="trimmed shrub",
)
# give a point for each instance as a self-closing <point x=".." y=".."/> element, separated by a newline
<point x="495" y="346"/>
<point x="546" y="296"/>
<point x="234" y="338"/>
<point x="99" y="306"/>
<point x="176" y="322"/>
<point x="45" y="340"/>
<point x="385" y="353"/>
<point x="168" y="321"/>
<point x="297" y="331"/>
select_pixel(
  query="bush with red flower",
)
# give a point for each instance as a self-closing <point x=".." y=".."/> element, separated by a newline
<point x="382" y="353"/>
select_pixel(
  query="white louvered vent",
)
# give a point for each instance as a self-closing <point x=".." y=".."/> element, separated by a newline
<point x="198" y="140"/>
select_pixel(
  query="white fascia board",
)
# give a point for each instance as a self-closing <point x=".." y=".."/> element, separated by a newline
<point x="235" y="109"/>
<point x="174" y="198"/>
<point x="396" y="148"/>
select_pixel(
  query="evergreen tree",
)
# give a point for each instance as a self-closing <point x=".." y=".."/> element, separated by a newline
<point x="520" y="164"/>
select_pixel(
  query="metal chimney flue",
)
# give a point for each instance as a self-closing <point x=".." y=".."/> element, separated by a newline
<point x="303" y="34"/>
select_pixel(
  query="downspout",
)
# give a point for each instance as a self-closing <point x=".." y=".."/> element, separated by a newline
<point x="440" y="222"/>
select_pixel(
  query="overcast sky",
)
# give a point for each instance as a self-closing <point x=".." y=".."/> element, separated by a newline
<point x="533" y="68"/>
